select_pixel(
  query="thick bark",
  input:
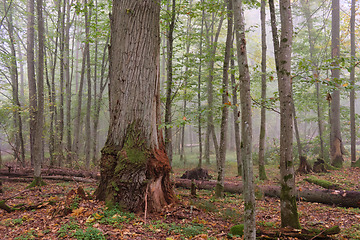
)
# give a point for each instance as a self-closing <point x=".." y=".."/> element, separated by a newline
<point x="352" y="82"/>
<point x="339" y="198"/>
<point x="262" y="172"/>
<point x="135" y="169"/>
<point x="225" y="103"/>
<point x="246" y="122"/>
<point x="282" y="49"/>
<point x="336" y="154"/>
<point x="169" y="82"/>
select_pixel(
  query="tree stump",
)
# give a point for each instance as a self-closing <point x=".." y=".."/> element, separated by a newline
<point x="319" y="166"/>
<point x="304" y="167"/>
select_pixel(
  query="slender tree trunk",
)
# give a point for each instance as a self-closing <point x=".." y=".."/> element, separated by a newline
<point x="352" y="83"/>
<point x="19" y="143"/>
<point x="38" y="136"/>
<point x="169" y="82"/>
<point x="219" y="189"/>
<point x="297" y="134"/>
<point x="236" y="113"/>
<point x="135" y="169"/>
<point x="31" y="75"/>
<point x="212" y="43"/>
<point x="335" y="136"/>
<point x="289" y="214"/>
<point x="262" y="172"/>
<point x="88" y="75"/>
<point x="182" y="151"/>
<point x="199" y="88"/>
<point x="78" y="117"/>
<point x="246" y="123"/>
<point x="103" y="83"/>
<point x="68" y="88"/>
<point x="309" y="21"/>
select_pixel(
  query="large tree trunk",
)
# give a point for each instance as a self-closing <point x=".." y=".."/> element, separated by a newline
<point x="262" y="172"/>
<point x="135" y="169"/>
<point x="289" y="214"/>
<point x="246" y="122"/>
<point x="333" y="197"/>
<point x="336" y="146"/>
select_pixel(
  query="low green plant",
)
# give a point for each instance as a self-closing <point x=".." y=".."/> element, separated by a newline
<point x="89" y="234"/>
<point x="231" y="215"/>
<point x="17" y="221"/>
<point x="237" y="230"/>
<point x="114" y="216"/>
<point x="75" y="203"/>
<point x="187" y="231"/>
<point x="27" y="235"/>
<point x="67" y="230"/>
<point x="352" y="233"/>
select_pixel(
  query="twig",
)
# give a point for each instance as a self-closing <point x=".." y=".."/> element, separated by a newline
<point x="146" y="195"/>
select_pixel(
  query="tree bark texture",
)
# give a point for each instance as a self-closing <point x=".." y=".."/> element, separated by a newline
<point x="135" y="169"/>
<point x="336" y="154"/>
<point x="246" y="122"/>
<point x="289" y="214"/>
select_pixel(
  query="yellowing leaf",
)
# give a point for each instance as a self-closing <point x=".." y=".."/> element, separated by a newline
<point x="98" y="216"/>
<point x="77" y="212"/>
<point x="345" y="84"/>
<point x="90" y="219"/>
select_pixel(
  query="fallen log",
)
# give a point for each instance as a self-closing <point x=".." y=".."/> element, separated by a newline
<point x="276" y="233"/>
<point x="51" y="171"/>
<point x="29" y="178"/>
<point x="332" y="197"/>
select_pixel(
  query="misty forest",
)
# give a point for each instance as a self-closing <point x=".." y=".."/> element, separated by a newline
<point x="179" y="119"/>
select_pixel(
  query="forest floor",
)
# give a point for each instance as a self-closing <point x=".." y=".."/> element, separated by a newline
<point x="203" y="217"/>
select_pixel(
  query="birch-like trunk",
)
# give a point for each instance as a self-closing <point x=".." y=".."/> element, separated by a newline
<point x="246" y="123"/>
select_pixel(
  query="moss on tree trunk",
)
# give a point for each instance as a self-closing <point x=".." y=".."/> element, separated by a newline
<point x="131" y="174"/>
